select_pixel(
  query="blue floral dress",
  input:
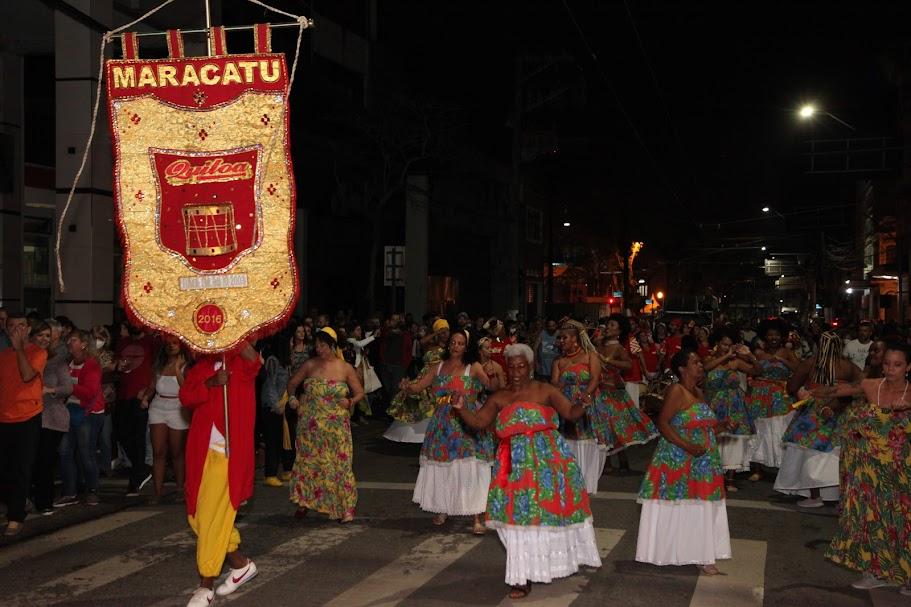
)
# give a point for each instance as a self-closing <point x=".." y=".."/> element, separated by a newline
<point x="726" y="398"/>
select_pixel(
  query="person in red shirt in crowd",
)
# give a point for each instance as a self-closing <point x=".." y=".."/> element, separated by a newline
<point x="672" y="343"/>
<point x="395" y="353"/>
<point x="135" y="355"/>
<point x="21" y="404"/>
<point x="219" y="472"/>
<point x="86" y="408"/>
<point x="650" y="351"/>
<point x="498" y="342"/>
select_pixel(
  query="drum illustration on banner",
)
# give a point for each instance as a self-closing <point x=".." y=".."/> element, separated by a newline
<point x="204" y="191"/>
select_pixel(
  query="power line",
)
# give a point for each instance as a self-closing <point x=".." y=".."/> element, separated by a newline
<point x="659" y="91"/>
<point x="620" y="104"/>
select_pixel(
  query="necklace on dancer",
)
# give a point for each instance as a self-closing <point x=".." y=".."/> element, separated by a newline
<point x="574" y="353"/>
<point x="899" y="402"/>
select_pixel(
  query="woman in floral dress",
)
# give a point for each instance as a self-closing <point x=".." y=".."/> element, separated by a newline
<point x="874" y="529"/>
<point x="725" y="395"/>
<point x="684" y="520"/>
<point x="578" y="375"/>
<point x="629" y="426"/>
<point x="411" y="412"/>
<point x="455" y="462"/>
<point x="768" y="400"/>
<point x="322" y="478"/>
<point x="809" y="466"/>
<point x="537" y="500"/>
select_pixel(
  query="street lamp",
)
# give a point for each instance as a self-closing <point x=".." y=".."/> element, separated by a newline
<point x="808" y="110"/>
<point x="566" y="224"/>
<point x="660" y="294"/>
<point x="763" y="247"/>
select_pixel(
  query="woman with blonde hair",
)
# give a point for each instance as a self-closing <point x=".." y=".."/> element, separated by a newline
<point x="577" y="373"/>
<point x="86" y="408"/>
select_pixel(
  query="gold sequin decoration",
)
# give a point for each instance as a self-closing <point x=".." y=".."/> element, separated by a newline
<point x="233" y="125"/>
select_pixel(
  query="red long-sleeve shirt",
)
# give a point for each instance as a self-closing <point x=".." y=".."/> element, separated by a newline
<point x="87" y="388"/>
<point x="208" y="409"/>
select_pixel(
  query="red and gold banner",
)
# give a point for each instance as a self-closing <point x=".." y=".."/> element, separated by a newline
<point x="204" y="190"/>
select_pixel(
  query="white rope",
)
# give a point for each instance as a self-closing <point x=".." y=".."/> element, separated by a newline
<point x="88" y="144"/>
<point x="303" y="23"/>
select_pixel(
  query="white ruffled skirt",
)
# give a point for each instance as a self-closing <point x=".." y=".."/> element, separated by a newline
<point x="591" y="458"/>
<point x="542" y="554"/>
<point x="406" y="433"/>
<point x="455" y="488"/>
<point x="686" y="532"/>
<point x="803" y="469"/>
<point x="734" y="451"/>
<point x="766" y="447"/>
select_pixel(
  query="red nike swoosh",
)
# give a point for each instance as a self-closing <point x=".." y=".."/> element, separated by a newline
<point x="241" y="576"/>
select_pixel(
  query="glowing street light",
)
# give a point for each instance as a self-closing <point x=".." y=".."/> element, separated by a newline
<point x="763" y="247"/>
<point x="808" y="110"/>
<point x="566" y="224"/>
<point x="766" y="209"/>
<point x="660" y="294"/>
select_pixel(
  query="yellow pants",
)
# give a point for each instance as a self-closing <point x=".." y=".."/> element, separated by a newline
<point x="213" y="524"/>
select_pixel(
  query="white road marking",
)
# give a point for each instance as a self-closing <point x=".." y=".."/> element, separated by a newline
<point x="393" y="583"/>
<point x="601" y="495"/>
<point x="54" y="541"/>
<point x="743" y="582"/>
<point x="562" y="592"/>
<point x="109" y="570"/>
<point x="281" y="559"/>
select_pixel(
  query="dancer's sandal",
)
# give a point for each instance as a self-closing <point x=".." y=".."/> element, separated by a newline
<point x="349" y="517"/>
<point x="519" y="592"/>
<point x="300" y="513"/>
<point x="439" y="519"/>
<point x="709" y="569"/>
<point x="479" y="528"/>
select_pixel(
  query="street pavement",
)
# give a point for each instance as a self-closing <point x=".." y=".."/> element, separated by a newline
<point x="127" y="552"/>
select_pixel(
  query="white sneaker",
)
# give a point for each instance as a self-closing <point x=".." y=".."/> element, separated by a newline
<point x="811" y="502"/>
<point x="237" y="578"/>
<point x="868" y="582"/>
<point x="202" y="597"/>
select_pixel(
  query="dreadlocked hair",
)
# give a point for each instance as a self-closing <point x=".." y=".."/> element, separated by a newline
<point x="830" y="349"/>
<point x="584" y="340"/>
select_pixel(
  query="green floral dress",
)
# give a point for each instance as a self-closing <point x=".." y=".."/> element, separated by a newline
<point x="874" y="529"/>
<point x="322" y="478"/>
<point x="411" y="409"/>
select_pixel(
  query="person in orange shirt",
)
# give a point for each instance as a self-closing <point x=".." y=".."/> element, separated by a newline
<point x="21" y="405"/>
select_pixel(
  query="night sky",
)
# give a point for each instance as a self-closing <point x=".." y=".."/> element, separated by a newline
<point x="709" y="89"/>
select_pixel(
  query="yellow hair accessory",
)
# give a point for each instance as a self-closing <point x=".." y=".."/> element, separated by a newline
<point x="440" y="324"/>
<point x="331" y="333"/>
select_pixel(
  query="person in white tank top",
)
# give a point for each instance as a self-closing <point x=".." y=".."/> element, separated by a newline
<point x="168" y="420"/>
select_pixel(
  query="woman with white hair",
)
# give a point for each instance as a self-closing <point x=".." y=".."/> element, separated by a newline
<point x="537" y="500"/>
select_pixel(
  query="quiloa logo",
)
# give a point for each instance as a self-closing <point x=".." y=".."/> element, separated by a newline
<point x="214" y="170"/>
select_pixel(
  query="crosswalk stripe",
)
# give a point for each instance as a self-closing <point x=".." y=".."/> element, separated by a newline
<point x="601" y="495"/>
<point x="394" y="582"/>
<point x="561" y="593"/>
<point x="743" y="582"/>
<point x="78" y="533"/>
<point x="104" y="572"/>
<point x="282" y="559"/>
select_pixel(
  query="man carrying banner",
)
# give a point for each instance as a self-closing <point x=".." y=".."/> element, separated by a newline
<point x="220" y="470"/>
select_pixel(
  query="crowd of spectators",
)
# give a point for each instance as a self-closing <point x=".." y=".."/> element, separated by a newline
<point x="80" y="404"/>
